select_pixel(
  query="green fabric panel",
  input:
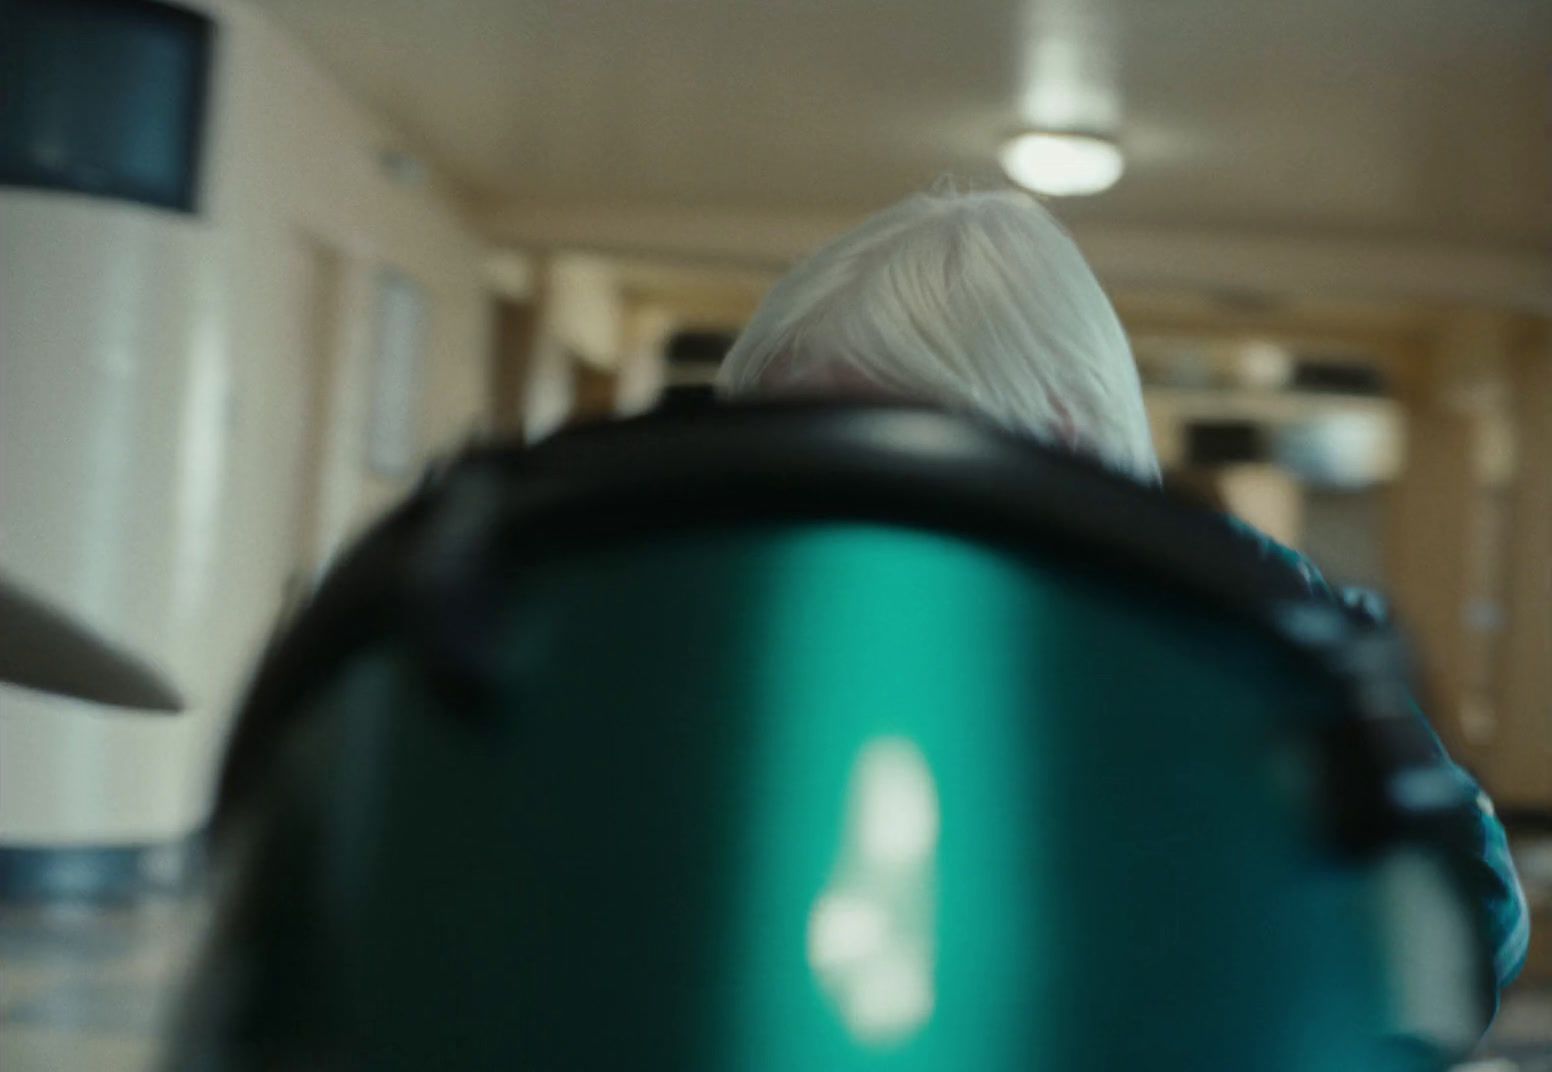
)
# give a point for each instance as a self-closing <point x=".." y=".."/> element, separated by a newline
<point x="620" y="859"/>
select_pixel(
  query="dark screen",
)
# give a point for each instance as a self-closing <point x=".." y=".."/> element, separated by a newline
<point x="103" y="97"/>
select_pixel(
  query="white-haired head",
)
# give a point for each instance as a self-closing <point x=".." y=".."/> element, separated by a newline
<point x="978" y="302"/>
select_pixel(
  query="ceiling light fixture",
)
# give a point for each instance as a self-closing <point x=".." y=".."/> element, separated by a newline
<point x="1062" y="164"/>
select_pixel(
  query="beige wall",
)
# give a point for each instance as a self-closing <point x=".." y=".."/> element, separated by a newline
<point x="154" y="379"/>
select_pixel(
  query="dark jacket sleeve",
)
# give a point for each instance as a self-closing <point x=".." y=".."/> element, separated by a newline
<point x="1473" y="836"/>
<point x="1480" y="850"/>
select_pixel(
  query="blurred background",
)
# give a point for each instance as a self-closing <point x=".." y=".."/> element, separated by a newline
<point x="261" y="261"/>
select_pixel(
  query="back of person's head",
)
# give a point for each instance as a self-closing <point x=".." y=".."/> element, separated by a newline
<point x="977" y="302"/>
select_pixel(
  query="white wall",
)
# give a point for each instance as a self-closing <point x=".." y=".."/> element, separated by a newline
<point x="581" y="319"/>
<point x="153" y="393"/>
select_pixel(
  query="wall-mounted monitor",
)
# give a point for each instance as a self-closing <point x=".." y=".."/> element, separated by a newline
<point x="104" y="97"/>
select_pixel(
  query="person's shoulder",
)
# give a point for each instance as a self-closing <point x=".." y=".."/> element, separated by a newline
<point x="1283" y="556"/>
<point x="1362" y="604"/>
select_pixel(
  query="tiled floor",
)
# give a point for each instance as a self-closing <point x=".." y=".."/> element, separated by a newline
<point x="89" y="990"/>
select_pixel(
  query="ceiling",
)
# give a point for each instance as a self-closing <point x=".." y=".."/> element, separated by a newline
<point x="1419" y="119"/>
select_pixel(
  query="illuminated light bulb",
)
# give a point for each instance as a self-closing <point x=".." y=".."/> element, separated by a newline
<point x="1062" y="164"/>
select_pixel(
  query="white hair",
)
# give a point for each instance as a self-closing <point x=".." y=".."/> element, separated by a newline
<point x="977" y="302"/>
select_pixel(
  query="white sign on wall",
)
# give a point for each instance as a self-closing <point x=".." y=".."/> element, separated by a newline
<point x="398" y="343"/>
